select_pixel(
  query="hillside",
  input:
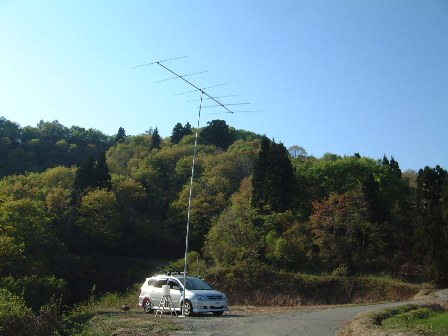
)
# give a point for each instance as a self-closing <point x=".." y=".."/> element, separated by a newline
<point x="80" y="209"/>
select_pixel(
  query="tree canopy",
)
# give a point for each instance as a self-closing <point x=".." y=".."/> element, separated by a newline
<point x="75" y="198"/>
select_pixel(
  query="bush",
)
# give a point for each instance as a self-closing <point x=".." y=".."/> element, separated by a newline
<point x="340" y="271"/>
<point x="14" y="314"/>
<point x="17" y="319"/>
<point x="37" y="291"/>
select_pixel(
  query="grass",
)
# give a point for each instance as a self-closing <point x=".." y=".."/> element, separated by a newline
<point x="104" y="317"/>
<point x="428" y="320"/>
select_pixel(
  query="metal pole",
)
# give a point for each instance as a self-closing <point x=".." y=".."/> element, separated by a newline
<point x="189" y="207"/>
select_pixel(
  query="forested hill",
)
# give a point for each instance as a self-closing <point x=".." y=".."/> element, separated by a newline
<point x="78" y="206"/>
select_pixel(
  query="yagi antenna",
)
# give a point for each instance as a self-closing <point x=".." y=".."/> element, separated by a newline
<point x="170" y="59"/>
<point x="191" y="74"/>
<point x="191" y="84"/>
<point x="207" y="106"/>
<point x="208" y="87"/>
<point x="196" y="88"/>
<point x="196" y="100"/>
<point x="219" y="104"/>
<point x="249" y="111"/>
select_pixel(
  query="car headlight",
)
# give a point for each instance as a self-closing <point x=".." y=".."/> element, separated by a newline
<point x="199" y="297"/>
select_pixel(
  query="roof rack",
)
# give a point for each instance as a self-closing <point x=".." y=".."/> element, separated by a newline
<point x="174" y="271"/>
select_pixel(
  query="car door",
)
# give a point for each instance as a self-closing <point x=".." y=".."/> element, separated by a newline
<point x="156" y="292"/>
<point x="175" y="293"/>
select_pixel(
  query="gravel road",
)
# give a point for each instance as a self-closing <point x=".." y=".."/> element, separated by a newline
<point x="251" y="321"/>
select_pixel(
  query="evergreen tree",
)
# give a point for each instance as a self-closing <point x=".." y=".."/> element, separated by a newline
<point x="258" y="177"/>
<point x="103" y="178"/>
<point x="370" y="189"/>
<point x="395" y="167"/>
<point x="177" y="134"/>
<point x="155" y="139"/>
<point x="121" y="135"/>
<point x="432" y="229"/>
<point x="9" y="130"/>
<point x="273" y="177"/>
<point x="92" y="175"/>
<point x="85" y="176"/>
<point x="217" y="133"/>
<point x="279" y="177"/>
<point x="187" y="129"/>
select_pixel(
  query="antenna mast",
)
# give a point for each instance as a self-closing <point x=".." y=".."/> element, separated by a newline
<point x="219" y="104"/>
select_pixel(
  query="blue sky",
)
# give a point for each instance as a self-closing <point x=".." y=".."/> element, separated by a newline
<point x="346" y="76"/>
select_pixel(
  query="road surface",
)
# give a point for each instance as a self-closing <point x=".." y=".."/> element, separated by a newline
<point x="286" y="322"/>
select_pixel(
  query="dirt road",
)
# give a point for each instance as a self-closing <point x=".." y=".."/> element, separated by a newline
<point x="278" y="322"/>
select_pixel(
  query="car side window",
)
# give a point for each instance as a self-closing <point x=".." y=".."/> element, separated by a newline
<point x="173" y="284"/>
<point x="159" y="283"/>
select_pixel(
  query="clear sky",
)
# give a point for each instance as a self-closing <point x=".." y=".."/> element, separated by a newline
<point x="345" y="76"/>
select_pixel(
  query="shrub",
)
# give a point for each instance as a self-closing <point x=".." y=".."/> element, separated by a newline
<point x="37" y="291"/>
<point x="340" y="271"/>
<point x="17" y="319"/>
<point x="14" y="314"/>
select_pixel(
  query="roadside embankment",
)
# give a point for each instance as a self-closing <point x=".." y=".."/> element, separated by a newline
<point x="270" y="288"/>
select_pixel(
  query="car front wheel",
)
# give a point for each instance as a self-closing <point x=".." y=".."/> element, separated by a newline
<point x="188" y="308"/>
<point x="147" y="306"/>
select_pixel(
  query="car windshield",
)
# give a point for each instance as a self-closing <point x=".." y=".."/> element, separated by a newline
<point x="196" y="284"/>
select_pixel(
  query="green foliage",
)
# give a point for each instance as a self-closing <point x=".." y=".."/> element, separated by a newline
<point x="217" y="133"/>
<point x="10" y="252"/>
<point x="272" y="177"/>
<point x="36" y="291"/>
<point x="121" y="135"/>
<point x="234" y="238"/>
<point x="425" y="320"/>
<point x="92" y="175"/>
<point x="14" y="314"/>
<point x="254" y="204"/>
<point x="297" y="152"/>
<point x="47" y="145"/>
<point x="156" y="140"/>
<point x="10" y="130"/>
<point x="431" y="241"/>
<point x="17" y="319"/>
<point x="98" y="217"/>
<point x="28" y="224"/>
<point x="179" y="132"/>
<point x="197" y="266"/>
<point x="340" y="271"/>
